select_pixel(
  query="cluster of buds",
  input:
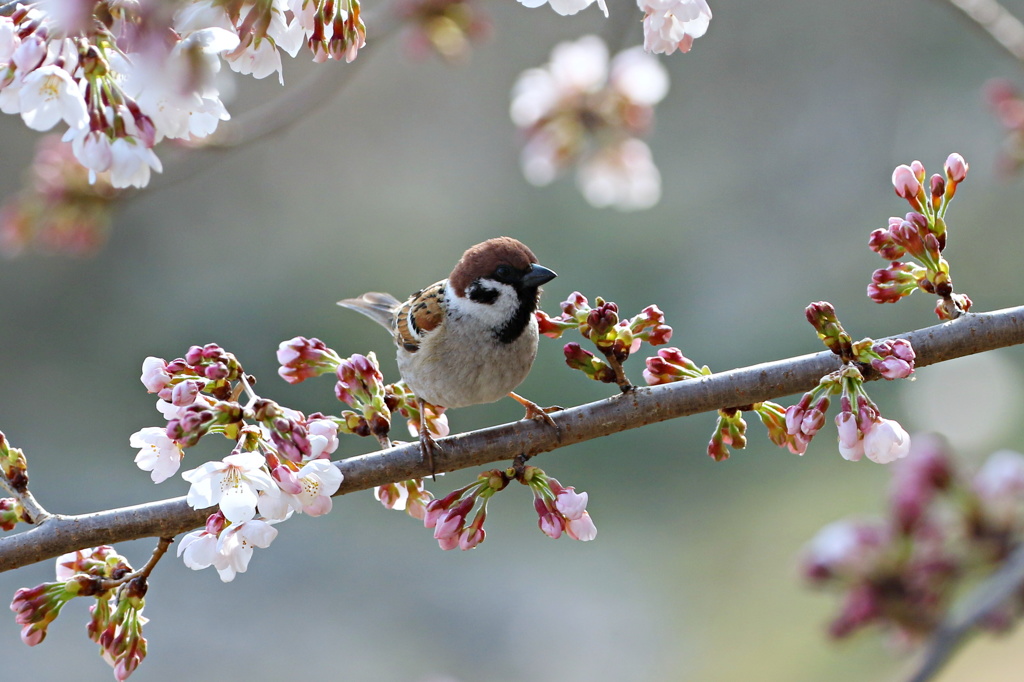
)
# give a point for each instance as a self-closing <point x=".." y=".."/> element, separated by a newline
<point x="116" y="617"/>
<point x="671" y="365"/>
<point x="58" y="211"/>
<point x="580" y="110"/>
<point x="615" y="338"/>
<point x="559" y="508"/>
<point x="408" y="496"/>
<point x="361" y="385"/>
<point x="921" y="235"/>
<point x="731" y="429"/>
<point x="891" y="358"/>
<point x="333" y="28"/>
<point x="862" y="430"/>
<point x="942" y="530"/>
<point x="448" y="515"/>
<point x="13" y="466"/>
<point x="280" y="464"/>
<point x="301" y="358"/>
<point x="198" y="419"/>
<point x="11" y="512"/>
<point x="207" y="369"/>
<point x="292" y="435"/>
<point x="447" y="27"/>
<point x="116" y="625"/>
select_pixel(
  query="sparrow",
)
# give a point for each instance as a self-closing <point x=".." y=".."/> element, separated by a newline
<point x="470" y="338"/>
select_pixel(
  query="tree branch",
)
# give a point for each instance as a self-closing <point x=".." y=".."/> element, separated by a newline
<point x="1002" y="26"/>
<point x="972" y="333"/>
<point x="986" y="598"/>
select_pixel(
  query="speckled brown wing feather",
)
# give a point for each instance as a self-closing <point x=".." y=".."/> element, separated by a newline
<point x="419" y="316"/>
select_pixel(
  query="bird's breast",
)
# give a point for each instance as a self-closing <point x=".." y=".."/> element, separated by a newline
<point x="461" y="367"/>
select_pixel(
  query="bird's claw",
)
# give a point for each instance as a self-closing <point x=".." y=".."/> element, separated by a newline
<point x="428" y="446"/>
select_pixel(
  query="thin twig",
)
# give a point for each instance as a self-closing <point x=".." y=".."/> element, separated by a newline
<point x="279" y="114"/>
<point x="986" y="598"/>
<point x="145" y="571"/>
<point x="34" y="510"/>
<point x="997" y="21"/>
<point x="973" y="333"/>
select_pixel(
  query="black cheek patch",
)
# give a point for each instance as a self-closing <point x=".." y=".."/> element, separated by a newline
<point x="410" y="347"/>
<point x="482" y="295"/>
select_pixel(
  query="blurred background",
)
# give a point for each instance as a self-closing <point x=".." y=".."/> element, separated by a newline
<point x="775" y="143"/>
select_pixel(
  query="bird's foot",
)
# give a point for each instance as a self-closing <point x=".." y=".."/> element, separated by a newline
<point x="428" y="446"/>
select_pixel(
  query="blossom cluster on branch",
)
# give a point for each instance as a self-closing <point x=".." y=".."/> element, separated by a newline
<point x="123" y="76"/>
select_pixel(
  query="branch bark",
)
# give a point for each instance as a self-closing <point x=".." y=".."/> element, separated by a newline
<point x="972" y="333"/>
<point x="1006" y="29"/>
<point x="986" y="598"/>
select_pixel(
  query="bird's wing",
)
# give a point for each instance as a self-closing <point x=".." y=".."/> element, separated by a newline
<point x="419" y="316"/>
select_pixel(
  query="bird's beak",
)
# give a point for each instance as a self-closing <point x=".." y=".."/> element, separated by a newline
<point x="537" y="275"/>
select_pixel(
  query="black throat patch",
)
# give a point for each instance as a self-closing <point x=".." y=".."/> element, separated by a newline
<point x="513" y="329"/>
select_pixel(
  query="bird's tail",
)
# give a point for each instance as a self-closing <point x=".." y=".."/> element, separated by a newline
<point x="377" y="306"/>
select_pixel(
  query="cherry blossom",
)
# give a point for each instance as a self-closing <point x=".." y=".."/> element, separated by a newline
<point x="886" y="441"/>
<point x="158" y="454"/>
<point x="566" y="7"/>
<point x="581" y="109"/>
<point x="49" y="94"/>
<point x="316" y="482"/>
<point x="623" y="176"/>
<point x="233" y="483"/>
<point x="671" y="25"/>
<point x="236" y="545"/>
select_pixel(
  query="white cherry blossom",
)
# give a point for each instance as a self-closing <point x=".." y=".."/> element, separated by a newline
<point x="233" y="483"/>
<point x="671" y="25"/>
<point x="886" y="441"/>
<point x="566" y="7"/>
<point x="622" y="175"/>
<point x="159" y="454"/>
<point x="49" y="94"/>
<point x="131" y="162"/>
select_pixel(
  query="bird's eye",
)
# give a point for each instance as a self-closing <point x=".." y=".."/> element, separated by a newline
<point x="503" y="271"/>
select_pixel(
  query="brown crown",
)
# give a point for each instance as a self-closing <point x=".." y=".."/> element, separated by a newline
<point x="484" y="258"/>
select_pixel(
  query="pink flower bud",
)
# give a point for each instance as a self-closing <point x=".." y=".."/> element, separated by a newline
<point x="886" y="441"/>
<point x="448" y="542"/>
<point x="956" y="168"/>
<point x="551" y="525"/>
<point x="434" y="510"/>
<point x="286" y="479"/>
<point x="449" y="525"/>
<point x="905" y="181"/>
<point x="576" y="302"/>
<point x="812" y="422"/>
<point x="794" y="416"/>
<point x="471" y="537"/>
<point x="851" y="445"/>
